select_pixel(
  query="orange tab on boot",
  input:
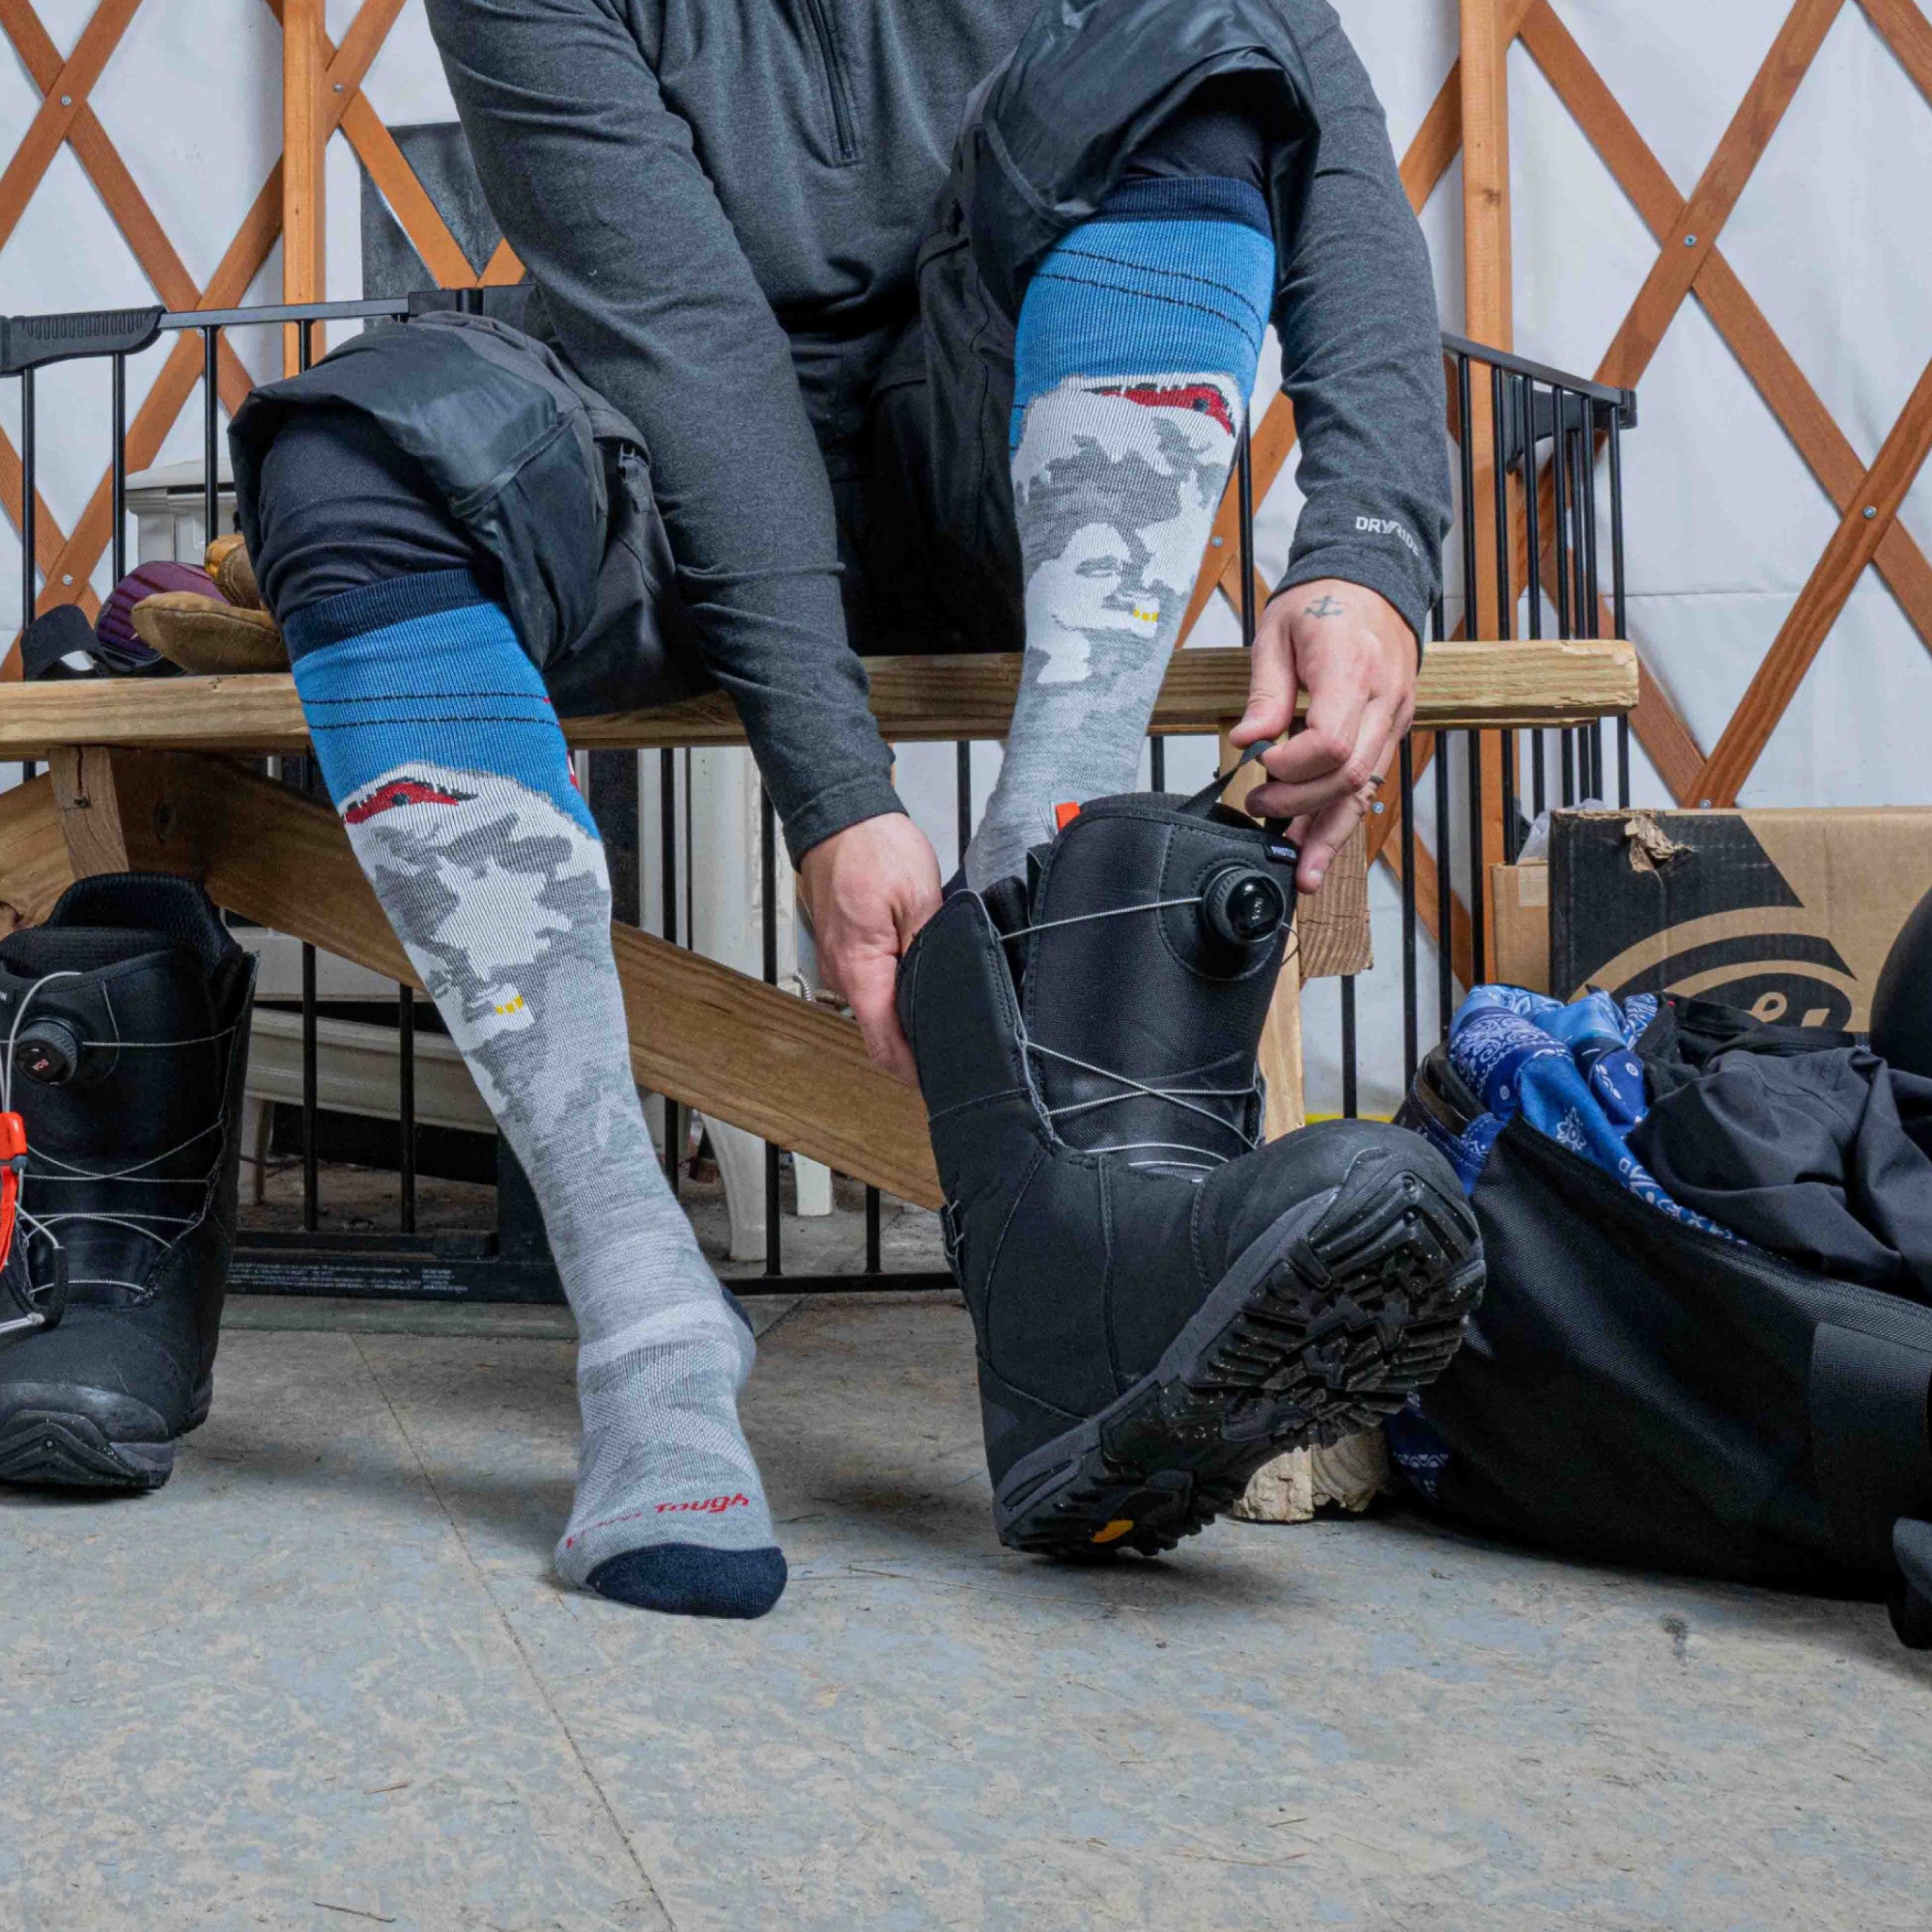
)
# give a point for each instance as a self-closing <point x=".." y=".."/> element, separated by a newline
<point x="1063" y="814"/>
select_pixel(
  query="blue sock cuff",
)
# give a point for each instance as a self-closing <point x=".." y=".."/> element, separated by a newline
<point x="1165" y="292"/>
<point x="1188" y="198"/>
<point x="374" y="607"/>
<point x="447" y="686"/>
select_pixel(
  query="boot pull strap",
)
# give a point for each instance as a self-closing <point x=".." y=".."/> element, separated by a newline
<point x="1208" y="796"/>
<point x="1204" y="800"/>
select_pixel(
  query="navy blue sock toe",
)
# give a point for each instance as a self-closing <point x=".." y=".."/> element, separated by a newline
<point x="686" y="1579"/>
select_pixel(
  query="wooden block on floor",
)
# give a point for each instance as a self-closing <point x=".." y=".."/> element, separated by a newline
<point x="1333" y="924"/>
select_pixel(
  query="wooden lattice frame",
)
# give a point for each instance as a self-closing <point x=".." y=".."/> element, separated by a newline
<point x="1867" y="499"/>
<point x="291" y="195"/>
<point x="1687" y="229"/>
<point x="324" y="92"/>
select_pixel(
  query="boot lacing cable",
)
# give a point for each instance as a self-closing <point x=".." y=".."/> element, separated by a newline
<point x="132" y="1218"/>
<point x="1183" y="1097"/>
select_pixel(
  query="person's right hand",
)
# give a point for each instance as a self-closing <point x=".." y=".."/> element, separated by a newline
<point x="1351" y="650"/>
<point x="867" y="890"/>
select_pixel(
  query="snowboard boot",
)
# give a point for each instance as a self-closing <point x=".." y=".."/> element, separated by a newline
<point x="124" y="1020"/>
<point x="1162" y="1302"/>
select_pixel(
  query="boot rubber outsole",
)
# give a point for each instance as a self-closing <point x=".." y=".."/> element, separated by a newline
<point x="1324" y="1325"/>
<point x="62" y="1449"/>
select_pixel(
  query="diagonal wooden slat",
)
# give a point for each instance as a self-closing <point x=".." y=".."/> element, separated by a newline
<point x="1908" y="33"/>
<point x="377" y="148"/>
<point x="48" y="542"/>
<point x="60" y="103"/>
<point x="1718" y="189"/>
<point x="409" y="201"/>
<point x="502" y="271"/>
<point x="1853" y="545"/>
<point x="1823" y="445"/>
<point x="101" y="162"/>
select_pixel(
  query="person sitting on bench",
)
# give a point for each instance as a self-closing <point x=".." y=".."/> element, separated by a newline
<point x="914" y="324"/>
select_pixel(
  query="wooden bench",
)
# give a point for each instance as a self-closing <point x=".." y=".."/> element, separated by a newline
<point x="149" y="775"/>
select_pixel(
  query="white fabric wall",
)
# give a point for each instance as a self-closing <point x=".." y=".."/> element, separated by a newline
<point x="1725" y="521"/>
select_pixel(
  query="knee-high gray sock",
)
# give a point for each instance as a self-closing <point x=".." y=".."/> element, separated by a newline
<point x="452" y="779"/>
<point x="1136" y="349"/>
<point x="1115" y="500"/>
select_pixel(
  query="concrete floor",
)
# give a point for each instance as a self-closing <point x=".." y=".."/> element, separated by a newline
<point x="325" y="1680"/>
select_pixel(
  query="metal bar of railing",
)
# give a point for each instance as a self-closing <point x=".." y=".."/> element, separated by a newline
<point x="30" y="578"/>
<point x="310" y="1078"/>
<point x="1472" y="625"/>
<point x="1350" y="1089"/>
<point x="962" y="800"/>
<point x="768" y="927"/>
<point x="117" y="508"/>
<point x="311" y="1165"/>
<point x="405" y="1103"/>
<point x="373" y="309"/>
<point x="673" y="1114"/>
<point x="1410" y="993"/>
<point x="1593" y="603"/>
<point x="211" y="433"/>
<point x="1445" y="989"/>
<point x="1505" y="599"/>
<point x="1619" y="611"/>
<point x="1541" y="372"/>
<point x="1244" y="472"/>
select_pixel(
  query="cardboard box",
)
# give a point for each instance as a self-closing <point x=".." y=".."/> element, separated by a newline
<point x="1519" y="924"/>
<point x="1787" y="913"/>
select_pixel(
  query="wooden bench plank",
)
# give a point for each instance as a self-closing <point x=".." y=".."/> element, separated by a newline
<point x="914" y="698"/>
<point x="708" y="1037"/>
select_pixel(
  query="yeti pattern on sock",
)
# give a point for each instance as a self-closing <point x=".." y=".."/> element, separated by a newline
<point x="504" y="910"/>
<point x="1115" y="482"/>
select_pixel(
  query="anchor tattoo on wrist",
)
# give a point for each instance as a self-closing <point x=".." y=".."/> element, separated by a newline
<point x="1325" y="605"/>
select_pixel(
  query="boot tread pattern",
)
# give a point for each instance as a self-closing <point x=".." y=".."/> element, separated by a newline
<point x="71" y="1451"/>
<point x="1365" y="1307"/>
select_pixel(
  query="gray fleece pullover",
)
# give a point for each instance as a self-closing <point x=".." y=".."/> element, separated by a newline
<point x="720" y="203"/>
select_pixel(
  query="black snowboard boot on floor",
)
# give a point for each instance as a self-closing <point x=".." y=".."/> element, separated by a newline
<point x="1162" y="1303"/>
<point x="124" y="1022"/>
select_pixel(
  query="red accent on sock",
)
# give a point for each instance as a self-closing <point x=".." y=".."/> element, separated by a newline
<point x="1063" y="814"/>
<point x="393" y="794"/>
<point x="1204" y="398"/>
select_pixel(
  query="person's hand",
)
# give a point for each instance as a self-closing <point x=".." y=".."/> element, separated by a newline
<point x="867" y="890"/>
<point x="1351" y="651"/>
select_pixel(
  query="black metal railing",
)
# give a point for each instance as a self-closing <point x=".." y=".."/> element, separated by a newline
<point x="1530" y="408"/>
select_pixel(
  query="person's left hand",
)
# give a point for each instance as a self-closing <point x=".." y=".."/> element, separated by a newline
<point x="1352" y="650"/>
<point x="867" y="890"/>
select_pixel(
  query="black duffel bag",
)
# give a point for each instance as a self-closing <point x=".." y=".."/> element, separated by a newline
<point x="1635" y="1390"/>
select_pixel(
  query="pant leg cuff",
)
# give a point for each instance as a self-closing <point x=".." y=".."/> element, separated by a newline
<point x="374" y="607"/>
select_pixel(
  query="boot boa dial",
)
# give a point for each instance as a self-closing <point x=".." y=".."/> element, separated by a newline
<point x="124" y="1024"/>
<point x="1162" y="1302"/>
